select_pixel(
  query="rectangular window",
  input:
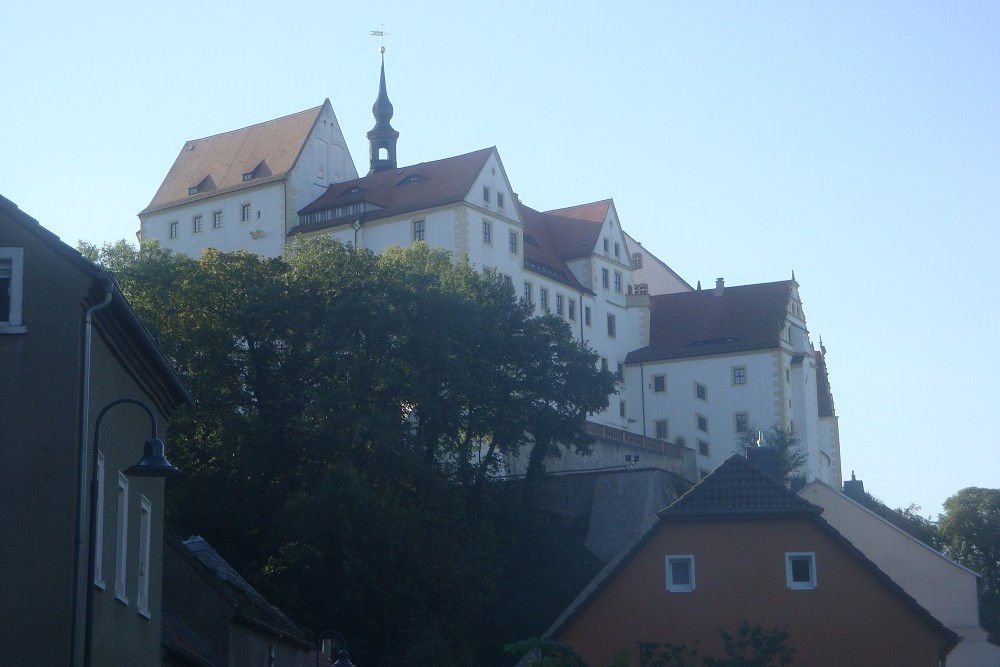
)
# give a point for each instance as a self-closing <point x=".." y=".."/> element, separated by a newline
<point x="193" y="190"/>
<point x="487" y="232"/>
<point x="512" y="242"/>
<point x="196" y="224"/>
<point x="662" y="430"/>
<point x="605" y="279"/>
<point x="543" y="298"/>
<point x="175" y="230"/>
<point x="586" y="315"/>
<point x="604" y="363"/>
<point x="703" y="448"/>
<point x="499" y="200"/>
<point x="800" y="569"/>
<point x="508" y="281"/>
<point x="739" y="375"/>
<point x="121" y="541"/>
<point x="559" y="305"/>
<point x="618" y="281"/>
<point x="217" y="220"/>
<point x="571" y="309"/>
<point x="145" y="535"/>
<point x="11" y="289"/>
<point x="620" y="373"/>
<point x="680" y="573"/>
<point x="622" y="412"/>
<point x="702" y="422"/>
<point x="637" y="260"/>
<point x="99" y="525"/>
<point x="701" y="391"/>
<point x="618" y="249"/>
<point x="741" y="422"/>
<point x="418" y="230"/>
<point x="611" y="325"/>
<point x="245" y="213"/>
<point x="659" y="383"/>
<point x="527" y="294"/>
<point x="607" y="244"/>
<point x="486" y="194"/>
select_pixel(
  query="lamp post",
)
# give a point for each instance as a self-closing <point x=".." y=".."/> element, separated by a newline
<point x="152" y="464"/>
<point x="342" y="658"/>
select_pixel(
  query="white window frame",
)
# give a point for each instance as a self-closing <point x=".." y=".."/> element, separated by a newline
<point x="512" y="242"/>
<point x="742" y="371"/>
<point x="486" y="194"/>
<point x="679" y="587"/>
<point x="244" y="212"/>
<point x="121" y="541"/>
<point x="586" y="316"/>
<point x="736" y="422"/>
<point x="661" y="376"/>
<point x="99" y="525"/>
<point x="666" y="429"/>
<point x="145" y="537"/>
<point x="618" y="281"/>
<point x="612" y="326"/>
<point x="217" y="220"/>
<point x="700" y="419"/>
<point x="174" y="229"/>
<point x="703" y="390"/>
<point x="559" y="304"/>
<point x="571" y="310"/>
<point x="790" y="557"/>
<point x="543" y="298"/>
<point x="528" y="291"/>
<point x="704" y="447"/>
<point x="197" y="224"/>
<point x="419" y="230"/>
<point x="500" y="201"/>
<point x="14" y="257"/>
<point x="605" y="278"/>
<point x="487" y="232"/>
<point x="637" y="260"/>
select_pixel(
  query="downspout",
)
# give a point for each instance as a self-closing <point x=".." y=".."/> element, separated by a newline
<point x="80" y="565"/>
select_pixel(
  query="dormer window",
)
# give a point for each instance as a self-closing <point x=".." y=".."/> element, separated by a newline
<point x="257" y="172"/>
<point x="352" y="190"/>
<point x="411" y="179"/>
<point x="248" y="176"/>
<point x="192" y="190"/>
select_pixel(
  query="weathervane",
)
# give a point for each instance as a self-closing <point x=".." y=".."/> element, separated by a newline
<point x="381" y="34"/>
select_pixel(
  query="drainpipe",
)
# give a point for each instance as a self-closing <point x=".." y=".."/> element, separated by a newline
<point x="80" y="564"/>
<point x="642" y="392"/>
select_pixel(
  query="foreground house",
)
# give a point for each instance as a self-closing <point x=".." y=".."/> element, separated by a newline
<point x="693" y="375"/>
<point x="71" y="348"/>
<point x="739" y="546"/>
<point x="212" y="617"/>
<point x="946" y="589"/>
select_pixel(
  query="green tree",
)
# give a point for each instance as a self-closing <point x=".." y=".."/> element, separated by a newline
<point x="791" y="458"/>
<point x="350" y="408"/>
<point x="970" y="532"/>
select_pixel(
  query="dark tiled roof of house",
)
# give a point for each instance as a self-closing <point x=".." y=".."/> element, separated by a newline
<point x="267" y="150"/>
<point x="399" y="191"/>
<point x="250" y="606"/>
<point x="575" y="229"/>
<point x="541" y="247"/>
<point x="736" y="489"/>
<point x="183" y="641"/>
<point x="700" y="323"/>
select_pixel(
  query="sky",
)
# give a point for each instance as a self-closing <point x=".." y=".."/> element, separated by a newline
<point x="855" y="143"/>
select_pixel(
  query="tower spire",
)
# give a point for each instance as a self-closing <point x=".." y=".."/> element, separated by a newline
<point x="382" y="138"/>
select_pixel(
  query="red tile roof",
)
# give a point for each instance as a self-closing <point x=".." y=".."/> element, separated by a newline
<point x="699" y="323"/>
<point x="399" y="191"/>
<point x="541" y="247"/>
<point x="222" y="159"/>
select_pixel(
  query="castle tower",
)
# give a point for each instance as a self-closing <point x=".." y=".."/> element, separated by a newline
<point x="382" y="138"/>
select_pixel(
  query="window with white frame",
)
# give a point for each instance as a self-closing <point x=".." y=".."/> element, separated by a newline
<point x="543" y="298"/>
<point x="145" y="536"/>
<point x="611" y="325"/>
<point x="662" y="428"/>
<point x="586" y="315"/>
<point x="499" y="200"/>
<point x="418" y="230"/>
<point x="605" y="279"/>
<point x="607" y="245"/>
<point x="196" y="224"/>
<point x="245" y="213"/>
<point x="637" y="260"/>
<point x="512" y="242"/>
<point x="99" y="524"/>
<point x="800" y="569"/>
<point x="618" y="250"/>
<point x="486" y="194"/>
<point x="659" y="383"/>
<point x="11" y="290"/>
<point x="620" y="373"/>
<point x="680" y="573"/>
<point x="739" y="375"/>
<point x="175" y="230"/>
<point x="703" y="448"/>
<point x="487" y="232"/>
<point x="702" y="423"/>
<point x="121" y="541"/>
<point x="559" y="305"/>
<point x="622" y="412"/>
<point x="571" y="309"/>
<point x="618" y="281"/>
<point x="217" y="220"/>
<point x="527" y="294"/>
<point x="642" y="288"/>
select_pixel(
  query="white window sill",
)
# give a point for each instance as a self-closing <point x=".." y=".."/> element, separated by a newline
<point x="121" y="597"/>
<point x="13" y="329"/>
<point x="145" y="613"/>
<point x="99" y="583"/>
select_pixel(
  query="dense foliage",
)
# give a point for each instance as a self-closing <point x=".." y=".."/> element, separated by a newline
<point x="791" y="457"/>
<point x="970" y="533"/>
<point x="351" y="412"/>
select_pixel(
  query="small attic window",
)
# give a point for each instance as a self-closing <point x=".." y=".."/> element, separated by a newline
<point x="352" y="190"/>
<point x="248" y="176"/>
<point x="257" y="172"/>
<point x="193" y="190"/>
<point x="412" y="178"/>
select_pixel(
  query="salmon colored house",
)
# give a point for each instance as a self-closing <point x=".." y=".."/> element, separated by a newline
<point x="739" y="546"/>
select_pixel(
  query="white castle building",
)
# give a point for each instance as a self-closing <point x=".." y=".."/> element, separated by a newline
<point x="696" y="367"/>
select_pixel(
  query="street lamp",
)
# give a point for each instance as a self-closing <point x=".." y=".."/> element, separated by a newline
<point x="152" y="464"/>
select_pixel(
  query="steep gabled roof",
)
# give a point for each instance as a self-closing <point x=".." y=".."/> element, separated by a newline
<point x="699" y="323"/>
<point x="737" y="489"/>
<point x="575" y="229"/>
<point x="541" y="248"/>
<point x="267" y="151"/>
<point x="824" y="397"/>
<point x="399" y="191"/>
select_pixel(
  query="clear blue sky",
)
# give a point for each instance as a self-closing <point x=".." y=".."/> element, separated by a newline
<point x="856" y="143"/>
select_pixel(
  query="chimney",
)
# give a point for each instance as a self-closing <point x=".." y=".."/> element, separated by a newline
<point x="854" y="489"/>
<point x="720" y="286"/>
